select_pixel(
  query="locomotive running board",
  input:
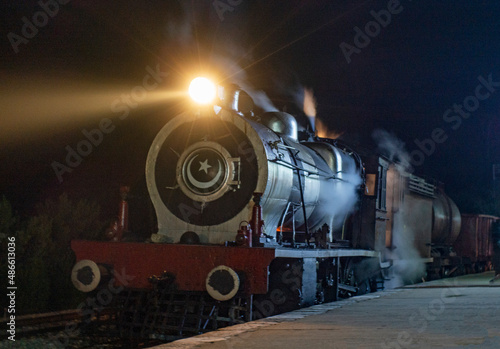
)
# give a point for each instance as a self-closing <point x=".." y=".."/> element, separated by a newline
<point x="295" y="253"/>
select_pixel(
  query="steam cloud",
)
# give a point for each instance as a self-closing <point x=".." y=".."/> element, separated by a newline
<point x="341" y="197"/>
<point x="238" y="76"/>
<point x="393" y="148"/>
<point x="309" y="107"/>
<point x="407" y="260"/>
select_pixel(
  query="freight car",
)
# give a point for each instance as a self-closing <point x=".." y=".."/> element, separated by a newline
<point x="255" y="219"/>
<point x="473" y="249"/>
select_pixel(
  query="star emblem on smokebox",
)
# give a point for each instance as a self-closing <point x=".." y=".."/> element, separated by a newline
<point x="204" y="166"/>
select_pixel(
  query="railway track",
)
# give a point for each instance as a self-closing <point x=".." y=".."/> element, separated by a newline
<point x="67" y="329"/>
<point x="53" y="321"/>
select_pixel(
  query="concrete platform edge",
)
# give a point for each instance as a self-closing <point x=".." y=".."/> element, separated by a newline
<point x="231" y="331"/>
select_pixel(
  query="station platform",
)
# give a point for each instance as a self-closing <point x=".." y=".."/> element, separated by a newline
<point x="461" y="312"/>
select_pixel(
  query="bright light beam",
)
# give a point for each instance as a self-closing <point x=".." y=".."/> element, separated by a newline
<point x="36" y="107"/>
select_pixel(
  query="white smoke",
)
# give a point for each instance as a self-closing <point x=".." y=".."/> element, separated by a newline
<point x="393" y="148"/>
<point x="238" y="76"/>
<point x="259" y="97"/>
<point x="340" y="201"/>
<point x="408" y="264"/>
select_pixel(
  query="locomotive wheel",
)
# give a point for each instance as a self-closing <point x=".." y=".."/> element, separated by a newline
<point x="326" y="282"/>
<point x="349" y="277"/>
<point x="358" y="277"/>
<point x="284" y="295"/>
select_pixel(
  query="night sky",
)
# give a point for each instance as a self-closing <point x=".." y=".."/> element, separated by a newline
<point x="417" y="69"/>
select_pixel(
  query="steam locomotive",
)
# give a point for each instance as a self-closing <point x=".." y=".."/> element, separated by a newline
<point x="256" y="218"/>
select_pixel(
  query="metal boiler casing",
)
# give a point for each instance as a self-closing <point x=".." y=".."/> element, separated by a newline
<point x="221" y="160"/>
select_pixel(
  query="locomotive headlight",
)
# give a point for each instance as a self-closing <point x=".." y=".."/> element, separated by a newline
<point x="202" y="91"/>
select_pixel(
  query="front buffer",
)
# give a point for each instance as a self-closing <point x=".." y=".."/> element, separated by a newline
<point x="173" y="290"/>
<point x="187" y="265"/>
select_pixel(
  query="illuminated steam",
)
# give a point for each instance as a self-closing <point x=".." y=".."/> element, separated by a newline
<point x="408" y="264"/>
<point x="324" y="132"/>
<point x="238" y="76"/>
<point x="309" y="107"/>
<point x="393" y="148"/>
<point x="341" y="197"/>
<point x="407" y="260"/>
